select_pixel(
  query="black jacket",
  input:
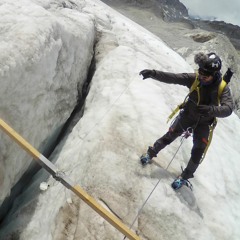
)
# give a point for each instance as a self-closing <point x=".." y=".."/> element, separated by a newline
<point x="208" y="95"/>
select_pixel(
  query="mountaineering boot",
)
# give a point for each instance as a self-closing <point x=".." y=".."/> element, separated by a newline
<point x="145" y="159"/>
<point x="179" y="182"/>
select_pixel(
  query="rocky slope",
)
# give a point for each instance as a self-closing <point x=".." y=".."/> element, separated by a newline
<point x="227" y="29"/>
<point x="171" y="10"/>
<point x="175" y="11"/>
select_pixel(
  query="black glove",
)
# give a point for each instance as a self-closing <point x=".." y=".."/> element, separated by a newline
<point x="205" y="110"/>
<point x="147" y="73"/>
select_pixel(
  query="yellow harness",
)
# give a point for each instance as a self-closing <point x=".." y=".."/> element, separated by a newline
<point x="195" y="87"/>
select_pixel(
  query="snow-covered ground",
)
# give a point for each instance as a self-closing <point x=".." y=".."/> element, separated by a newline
<point x="123" y="116"/>
<point x="44" y="59"/>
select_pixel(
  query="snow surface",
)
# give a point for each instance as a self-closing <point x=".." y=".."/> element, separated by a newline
<point x="123" y="116"/>
<point x="44" y="58"/>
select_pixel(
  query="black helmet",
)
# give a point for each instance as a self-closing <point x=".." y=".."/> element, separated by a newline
<point x="210" y="62"/>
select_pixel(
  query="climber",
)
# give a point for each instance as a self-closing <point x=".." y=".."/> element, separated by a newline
<point x="198" y="112"/>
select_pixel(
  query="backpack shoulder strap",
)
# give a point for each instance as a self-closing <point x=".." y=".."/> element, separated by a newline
<point x="195" y="84"/>
<point x="221" y="87"/>
<point x="180" y="106"/>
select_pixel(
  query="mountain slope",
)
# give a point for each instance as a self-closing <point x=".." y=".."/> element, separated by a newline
<point x="123" y="115"/>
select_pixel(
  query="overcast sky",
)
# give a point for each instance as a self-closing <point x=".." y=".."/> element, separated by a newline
<point x="227" y="11"/>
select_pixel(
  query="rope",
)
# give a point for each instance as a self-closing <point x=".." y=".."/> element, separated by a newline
<point x="109" y="109"/>
<point x="70" y="169"/>
<point x="185" y="135"/>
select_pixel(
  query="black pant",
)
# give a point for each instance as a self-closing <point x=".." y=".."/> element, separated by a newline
<point x="200" y="138"/>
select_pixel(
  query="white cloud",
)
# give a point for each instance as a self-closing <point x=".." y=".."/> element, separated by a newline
<point x="215" y="9"/>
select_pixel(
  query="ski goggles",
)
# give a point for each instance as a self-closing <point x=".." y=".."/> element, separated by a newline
<point x="204" y="72"/>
